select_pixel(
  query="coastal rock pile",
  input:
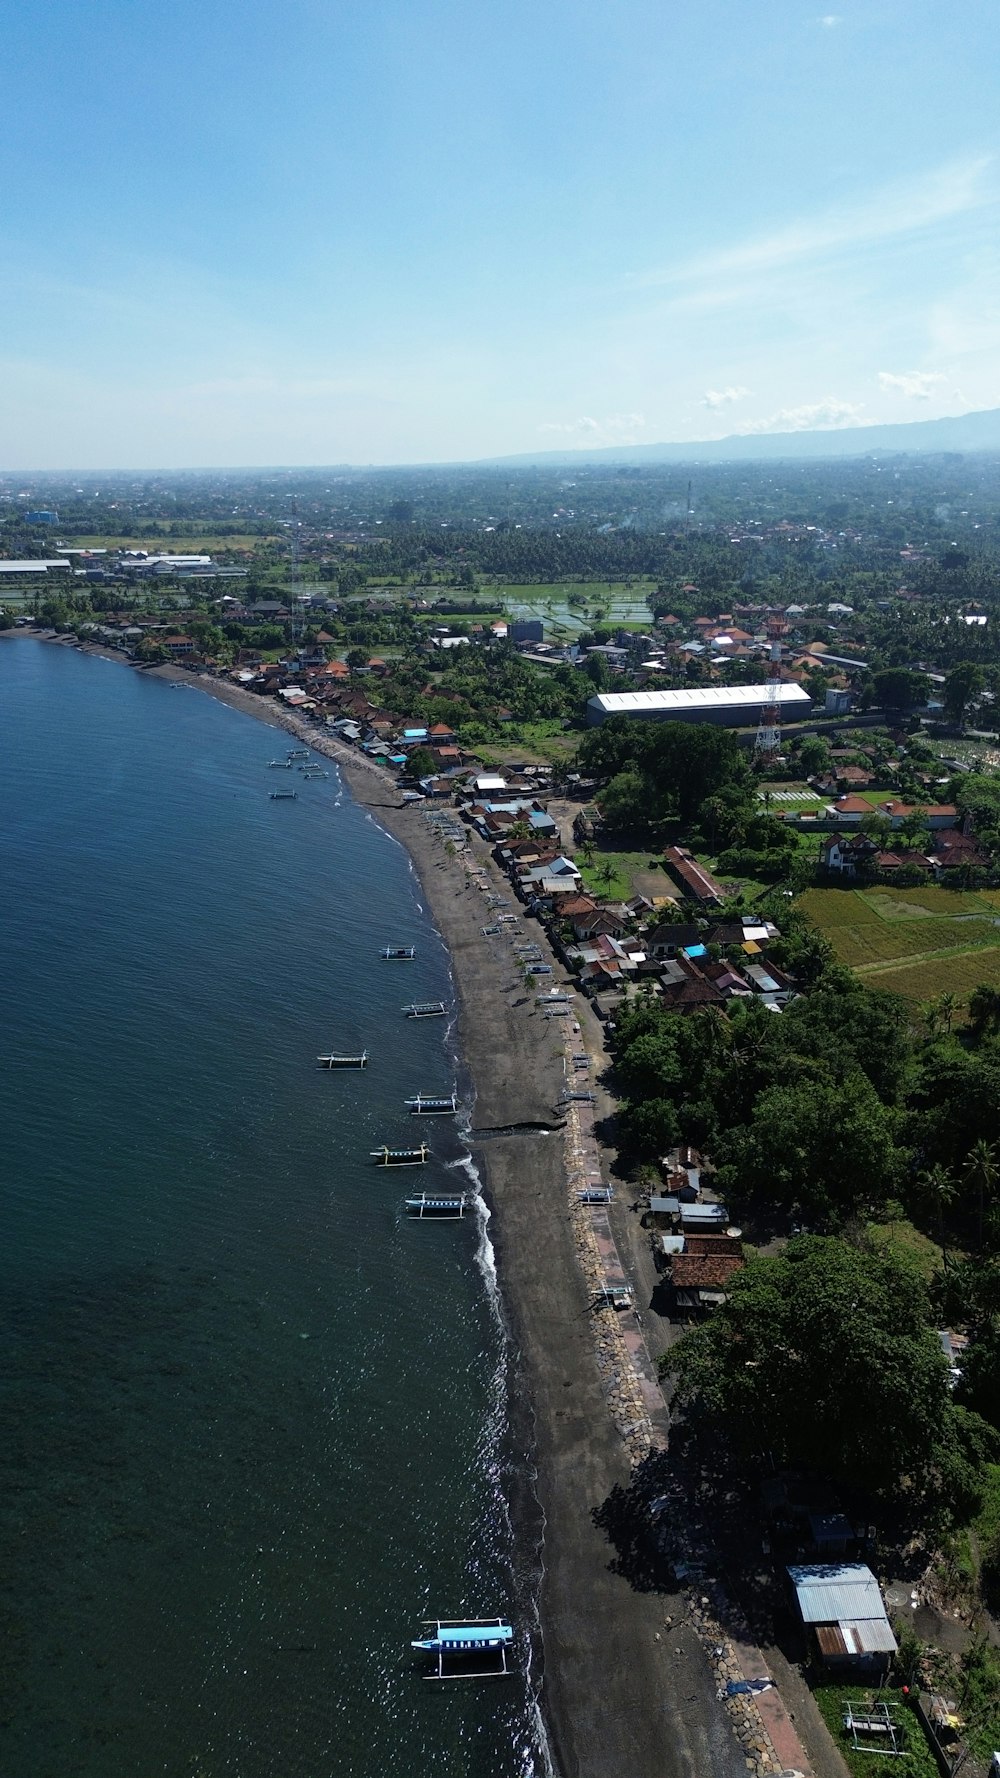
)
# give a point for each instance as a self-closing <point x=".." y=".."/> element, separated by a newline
<point x="621" y="1385"/>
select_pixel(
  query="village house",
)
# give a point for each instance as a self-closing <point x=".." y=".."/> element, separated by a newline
<point x="694" y="879"/>
<point x="844" y="1615"/>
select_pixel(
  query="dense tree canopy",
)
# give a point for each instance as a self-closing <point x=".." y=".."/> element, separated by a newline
<point x="823" y="1357"/>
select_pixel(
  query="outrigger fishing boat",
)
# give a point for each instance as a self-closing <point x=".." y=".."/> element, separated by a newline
<point x="399" y="953"/>
<point x="443" y="1205"/>
<point x="298" y="753"/>
<point x="424" y="1106"/>
<point x="344" y="1061"/>
<point x="425" y="1009"/>
<point x="400" y="1157"/>
<point x="284" y="796"/>
<point x="283" y="765"/>
<point x="466" y="1648"/>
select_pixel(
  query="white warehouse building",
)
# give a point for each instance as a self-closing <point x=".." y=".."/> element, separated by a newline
<point x="729" y="706"/>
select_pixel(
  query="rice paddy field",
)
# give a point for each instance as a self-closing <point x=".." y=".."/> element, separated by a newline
<point x="918" y="942"/>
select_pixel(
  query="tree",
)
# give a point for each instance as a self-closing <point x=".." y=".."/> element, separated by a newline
<point x="822" y="1149"/>
<point x="935" y="1192"/>
<point x="914" y="829"/>
<point x="981" y="1174"/>
<point x="899" y="688"/>
<point x="823" y="1357"/>
<point x="963" y="686"/>
<point x="814" y="755"/>
<point x="984" y="1011"/>
<point x="878" y="828"/>
<point x="421" y="763"/>
<point x="625" y="801"/>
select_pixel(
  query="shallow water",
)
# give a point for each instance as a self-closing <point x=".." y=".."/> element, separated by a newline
<point x="255" y="1420"/>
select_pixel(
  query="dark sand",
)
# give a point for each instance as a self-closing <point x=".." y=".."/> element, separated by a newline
<point x="624" y="1694"/>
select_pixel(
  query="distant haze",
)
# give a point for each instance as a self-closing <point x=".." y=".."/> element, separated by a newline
<point x="966" y="432"/>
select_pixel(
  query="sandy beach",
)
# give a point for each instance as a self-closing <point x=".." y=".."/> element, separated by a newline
<point x="627" y="1691"/>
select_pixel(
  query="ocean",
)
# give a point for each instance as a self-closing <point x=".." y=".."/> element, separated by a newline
<point x="254" y="1420"/>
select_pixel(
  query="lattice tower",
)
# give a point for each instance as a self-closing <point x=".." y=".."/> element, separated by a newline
<point x="767" y="744"/>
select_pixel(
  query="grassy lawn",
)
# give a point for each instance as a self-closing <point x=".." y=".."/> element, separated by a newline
<point x="919" y="1761"/>
<point x="626" y="868"/>
<point x="531" y="743"/>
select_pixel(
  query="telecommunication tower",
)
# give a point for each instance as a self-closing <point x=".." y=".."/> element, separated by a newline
<point x="768" y="742"/>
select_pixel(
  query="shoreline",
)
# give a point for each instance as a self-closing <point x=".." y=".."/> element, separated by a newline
<point x="625" y="1690"/>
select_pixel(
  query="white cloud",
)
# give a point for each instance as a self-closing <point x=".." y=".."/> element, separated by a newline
<point x="900" y="208"/>
<point x="830" y="20"/>
<point x="716" y="398"/>
<point x="615" y="429"/>
<point x="915" y="383"/>
<point x="829" y="415"/>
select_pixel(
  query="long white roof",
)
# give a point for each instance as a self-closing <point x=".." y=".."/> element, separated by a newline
<point x="716" y="697"/>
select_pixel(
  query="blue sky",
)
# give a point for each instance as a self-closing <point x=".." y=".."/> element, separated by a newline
<point x="384" y="233"/>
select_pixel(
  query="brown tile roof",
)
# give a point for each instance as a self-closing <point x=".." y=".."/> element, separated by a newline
<point x="705" y="1271"/>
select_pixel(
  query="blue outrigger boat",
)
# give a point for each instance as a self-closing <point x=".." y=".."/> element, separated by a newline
<point x="466" y="1648"/>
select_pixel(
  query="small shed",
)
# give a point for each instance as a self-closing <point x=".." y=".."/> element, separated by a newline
<point x="660" y="1206"/>
<point x="840" y="1604"/>
<point x="703" y="1218"/>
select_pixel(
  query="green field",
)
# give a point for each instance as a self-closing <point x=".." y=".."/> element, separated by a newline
<point x="923" y="979"/>
<point x="571" y="606"/>
<point x="918" y="942"/>
<point x="206" y="543"/>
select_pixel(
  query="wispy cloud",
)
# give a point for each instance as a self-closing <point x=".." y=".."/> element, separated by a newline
<point x="615" y="429"/>
<point x="830" y="20"/>
<point x="719" y="398"/>
<point x="915" y="383"/>
<point x="829" y="415"/>
<point x="900" y="208"/>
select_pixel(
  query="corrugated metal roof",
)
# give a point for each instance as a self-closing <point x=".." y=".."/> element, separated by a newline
<point x="752" y="697"/>
<point x="828" y="1592"/>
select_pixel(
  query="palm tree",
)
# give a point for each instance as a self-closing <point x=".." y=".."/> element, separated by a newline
<point x="947" y="1007"/>
<point x="982" y="1171"/>
<point x="936" y="1188"/>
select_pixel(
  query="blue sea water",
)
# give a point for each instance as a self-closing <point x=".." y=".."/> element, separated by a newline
<point x="253" y="1419"/>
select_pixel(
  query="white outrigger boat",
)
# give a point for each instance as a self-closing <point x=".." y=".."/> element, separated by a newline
<point x="466" y="1648"/>
<point x="400" y="1157"/>
<point x="425" y="1009"/>
<point x="399" y="953"/>
<point x="443" y="1206"/>
<point x="424" y="1106"/>
<point x="360" y="1061"/>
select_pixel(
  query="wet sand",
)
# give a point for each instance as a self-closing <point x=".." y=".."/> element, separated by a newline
<point x="626" y="1689"/>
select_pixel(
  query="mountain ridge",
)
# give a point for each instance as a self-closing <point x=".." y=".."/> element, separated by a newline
<point x="976" y="431"/>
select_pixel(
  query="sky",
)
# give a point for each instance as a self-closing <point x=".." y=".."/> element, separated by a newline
<point x="421" y="231"/>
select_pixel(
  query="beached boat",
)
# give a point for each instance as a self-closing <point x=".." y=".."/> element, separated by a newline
<point x="399" y="953"/>
<point x="425" y="1009"/>
<point x="443" y="1206"/>
<point x="360" y="1061"/>
<point x="596" y="1194"/>
<point x="466" y="1648"/>
<point x="400" y="1157"/>
<point x="284" y="796"/>
<point x="427" y="1105"/>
